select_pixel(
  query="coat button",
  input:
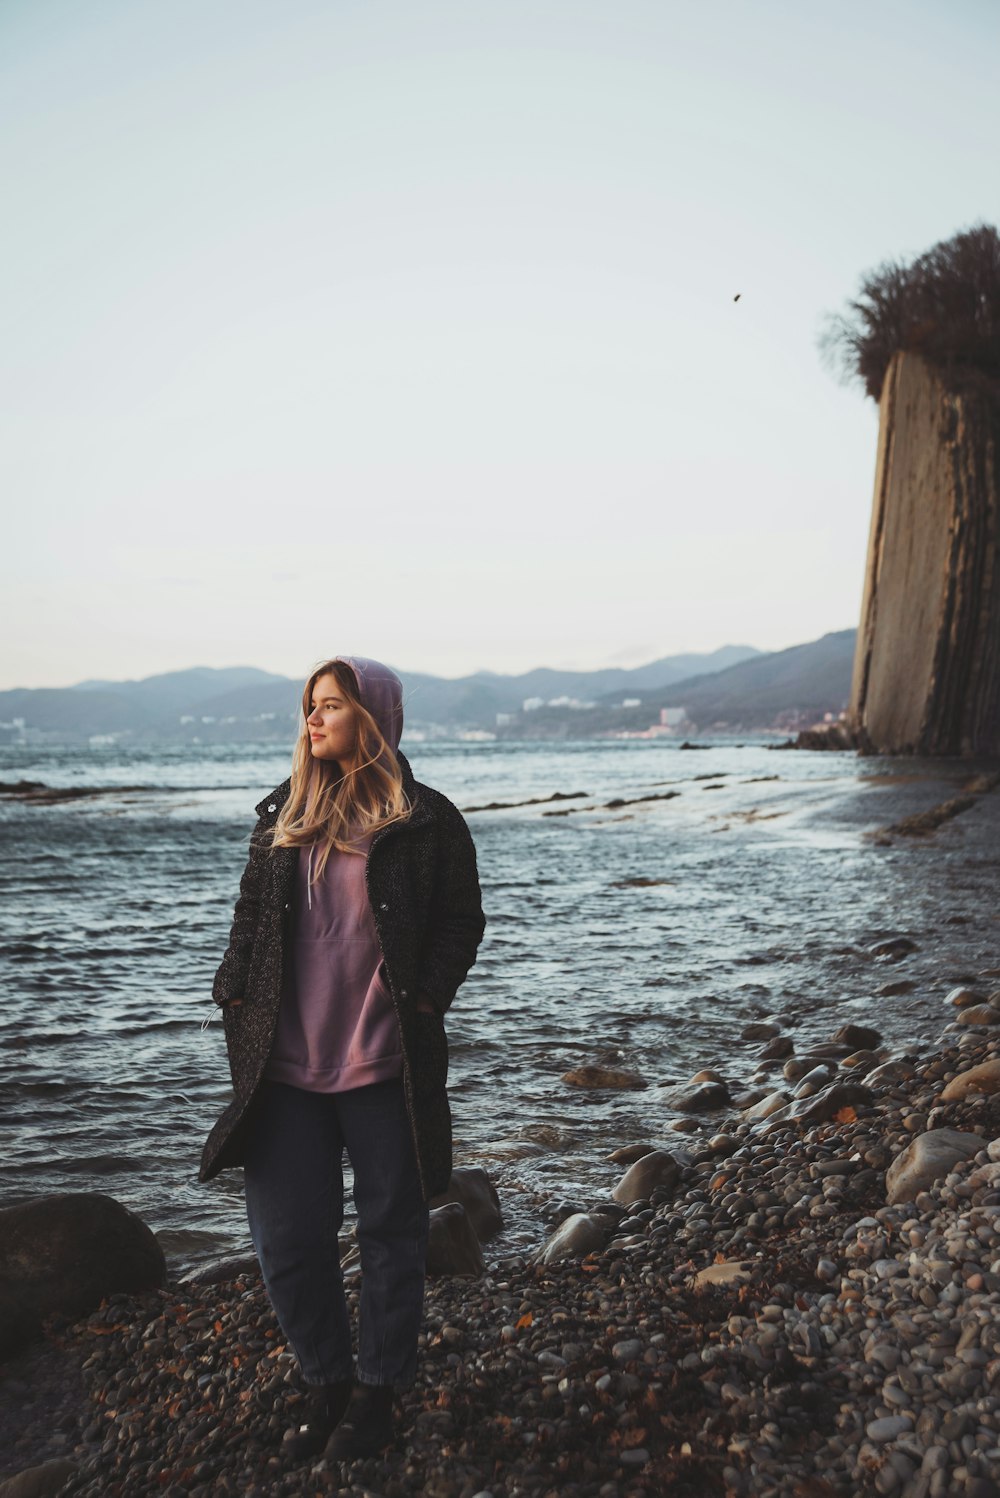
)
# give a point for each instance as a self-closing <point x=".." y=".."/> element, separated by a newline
<point x="403" y="994"/>
<point x="287" y="906"/>
<point x="272" y="808"/>
<point x="383" y="906"/>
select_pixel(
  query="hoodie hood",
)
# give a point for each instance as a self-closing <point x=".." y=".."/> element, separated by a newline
<point x="381" y="692"/>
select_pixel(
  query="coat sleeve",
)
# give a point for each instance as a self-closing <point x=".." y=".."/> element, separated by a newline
<point x="230" y="980"/>
<point x="457" y="922"/>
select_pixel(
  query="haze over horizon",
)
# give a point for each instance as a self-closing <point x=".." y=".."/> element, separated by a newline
<point x="413" y="330"/>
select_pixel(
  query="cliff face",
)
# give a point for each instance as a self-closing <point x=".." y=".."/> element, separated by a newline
<point x="927" y="661"/>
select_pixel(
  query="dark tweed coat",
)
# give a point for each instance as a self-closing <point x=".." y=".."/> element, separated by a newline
<point x="424" y="894"/>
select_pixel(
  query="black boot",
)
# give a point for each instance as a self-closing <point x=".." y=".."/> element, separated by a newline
<point x="324" y="1409"/>
<point x="366" y="1428"/>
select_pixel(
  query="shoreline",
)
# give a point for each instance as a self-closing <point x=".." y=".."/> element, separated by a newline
<point x="641" y="936"/>
<point x="860" y="1354"/>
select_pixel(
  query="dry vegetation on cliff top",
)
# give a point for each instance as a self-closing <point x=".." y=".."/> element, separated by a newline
<point x="944" y="305"/>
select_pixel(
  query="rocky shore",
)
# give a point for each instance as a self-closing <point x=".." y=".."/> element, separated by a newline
<point x="802" y="1298"/>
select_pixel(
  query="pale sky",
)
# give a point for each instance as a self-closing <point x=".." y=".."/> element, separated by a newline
<point x="408" y="329"/>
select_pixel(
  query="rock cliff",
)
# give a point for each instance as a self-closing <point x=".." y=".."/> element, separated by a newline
<point x="927" y="661"/>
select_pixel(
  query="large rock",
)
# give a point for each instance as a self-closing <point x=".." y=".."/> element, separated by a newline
<point x="978" y="1014"/>
<point x="700" y="1097"/>
<point x="892" y="990"/>
<point x="598" y="1077"/>
<point x="984" y="1078"/>
<point x="858" y="1037"/>
<point x="760" y="1030"/>
<point x="814" y="1080"/>
<point x="861" y="1062"/>
<point x="222" y="1271"/>
<point x="573" y="1239"/>
<point x="826" y="1104"/>
<point x="893" y="948"/>
<point x="68" y="1253"/>
<point x="627" y="1154"/>
<point x="928" y="1159"/>
<point x="656" y="1170"/>
<point x="39" y="1482"/>
<point x="827" y="1050"/>
<point x="472" y="1187"/>
<point x="767" y="1105"/>
<point x="452" y="1245"/>
<point x="891" y="1072"/>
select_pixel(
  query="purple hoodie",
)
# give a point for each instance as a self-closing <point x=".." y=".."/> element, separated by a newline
<point x="337" y="1027"/>
<point x="381" y="692"/>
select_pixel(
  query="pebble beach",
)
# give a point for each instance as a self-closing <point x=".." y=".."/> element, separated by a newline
<point x="765" y="1321"/>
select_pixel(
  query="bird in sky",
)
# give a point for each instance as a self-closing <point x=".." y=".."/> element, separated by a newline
<point x="737" y="296"/>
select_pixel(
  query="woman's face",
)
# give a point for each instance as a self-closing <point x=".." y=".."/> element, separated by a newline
<point x="331" y="722"/>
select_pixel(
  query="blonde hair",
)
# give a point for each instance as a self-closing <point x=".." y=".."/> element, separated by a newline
<point x="330" y="808"/>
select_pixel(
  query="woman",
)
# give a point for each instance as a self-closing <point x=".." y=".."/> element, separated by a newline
<point x="358" y="917"/>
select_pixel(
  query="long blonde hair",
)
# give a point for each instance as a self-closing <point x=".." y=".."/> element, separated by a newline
<point x="329" y="809"/>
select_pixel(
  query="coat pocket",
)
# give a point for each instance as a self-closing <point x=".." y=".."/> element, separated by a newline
<point x="430" y="1055"/>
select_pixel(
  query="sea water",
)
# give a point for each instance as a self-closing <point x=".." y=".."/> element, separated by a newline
<point x="640" y="926"/>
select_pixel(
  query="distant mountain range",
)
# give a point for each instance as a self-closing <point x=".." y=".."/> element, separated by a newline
<point x="781" y="689"/>
<point x="735" y="685"/>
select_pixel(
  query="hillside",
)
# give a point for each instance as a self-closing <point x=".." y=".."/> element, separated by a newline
<point x="784" y="689"/>
<point x="807" y="680"/>
<point x="219" y="704"/>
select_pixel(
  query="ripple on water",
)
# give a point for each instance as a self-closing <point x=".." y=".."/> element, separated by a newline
<point x="110" y="933"/>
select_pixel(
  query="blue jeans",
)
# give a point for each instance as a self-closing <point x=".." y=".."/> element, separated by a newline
<point x="295" y="1205"/>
